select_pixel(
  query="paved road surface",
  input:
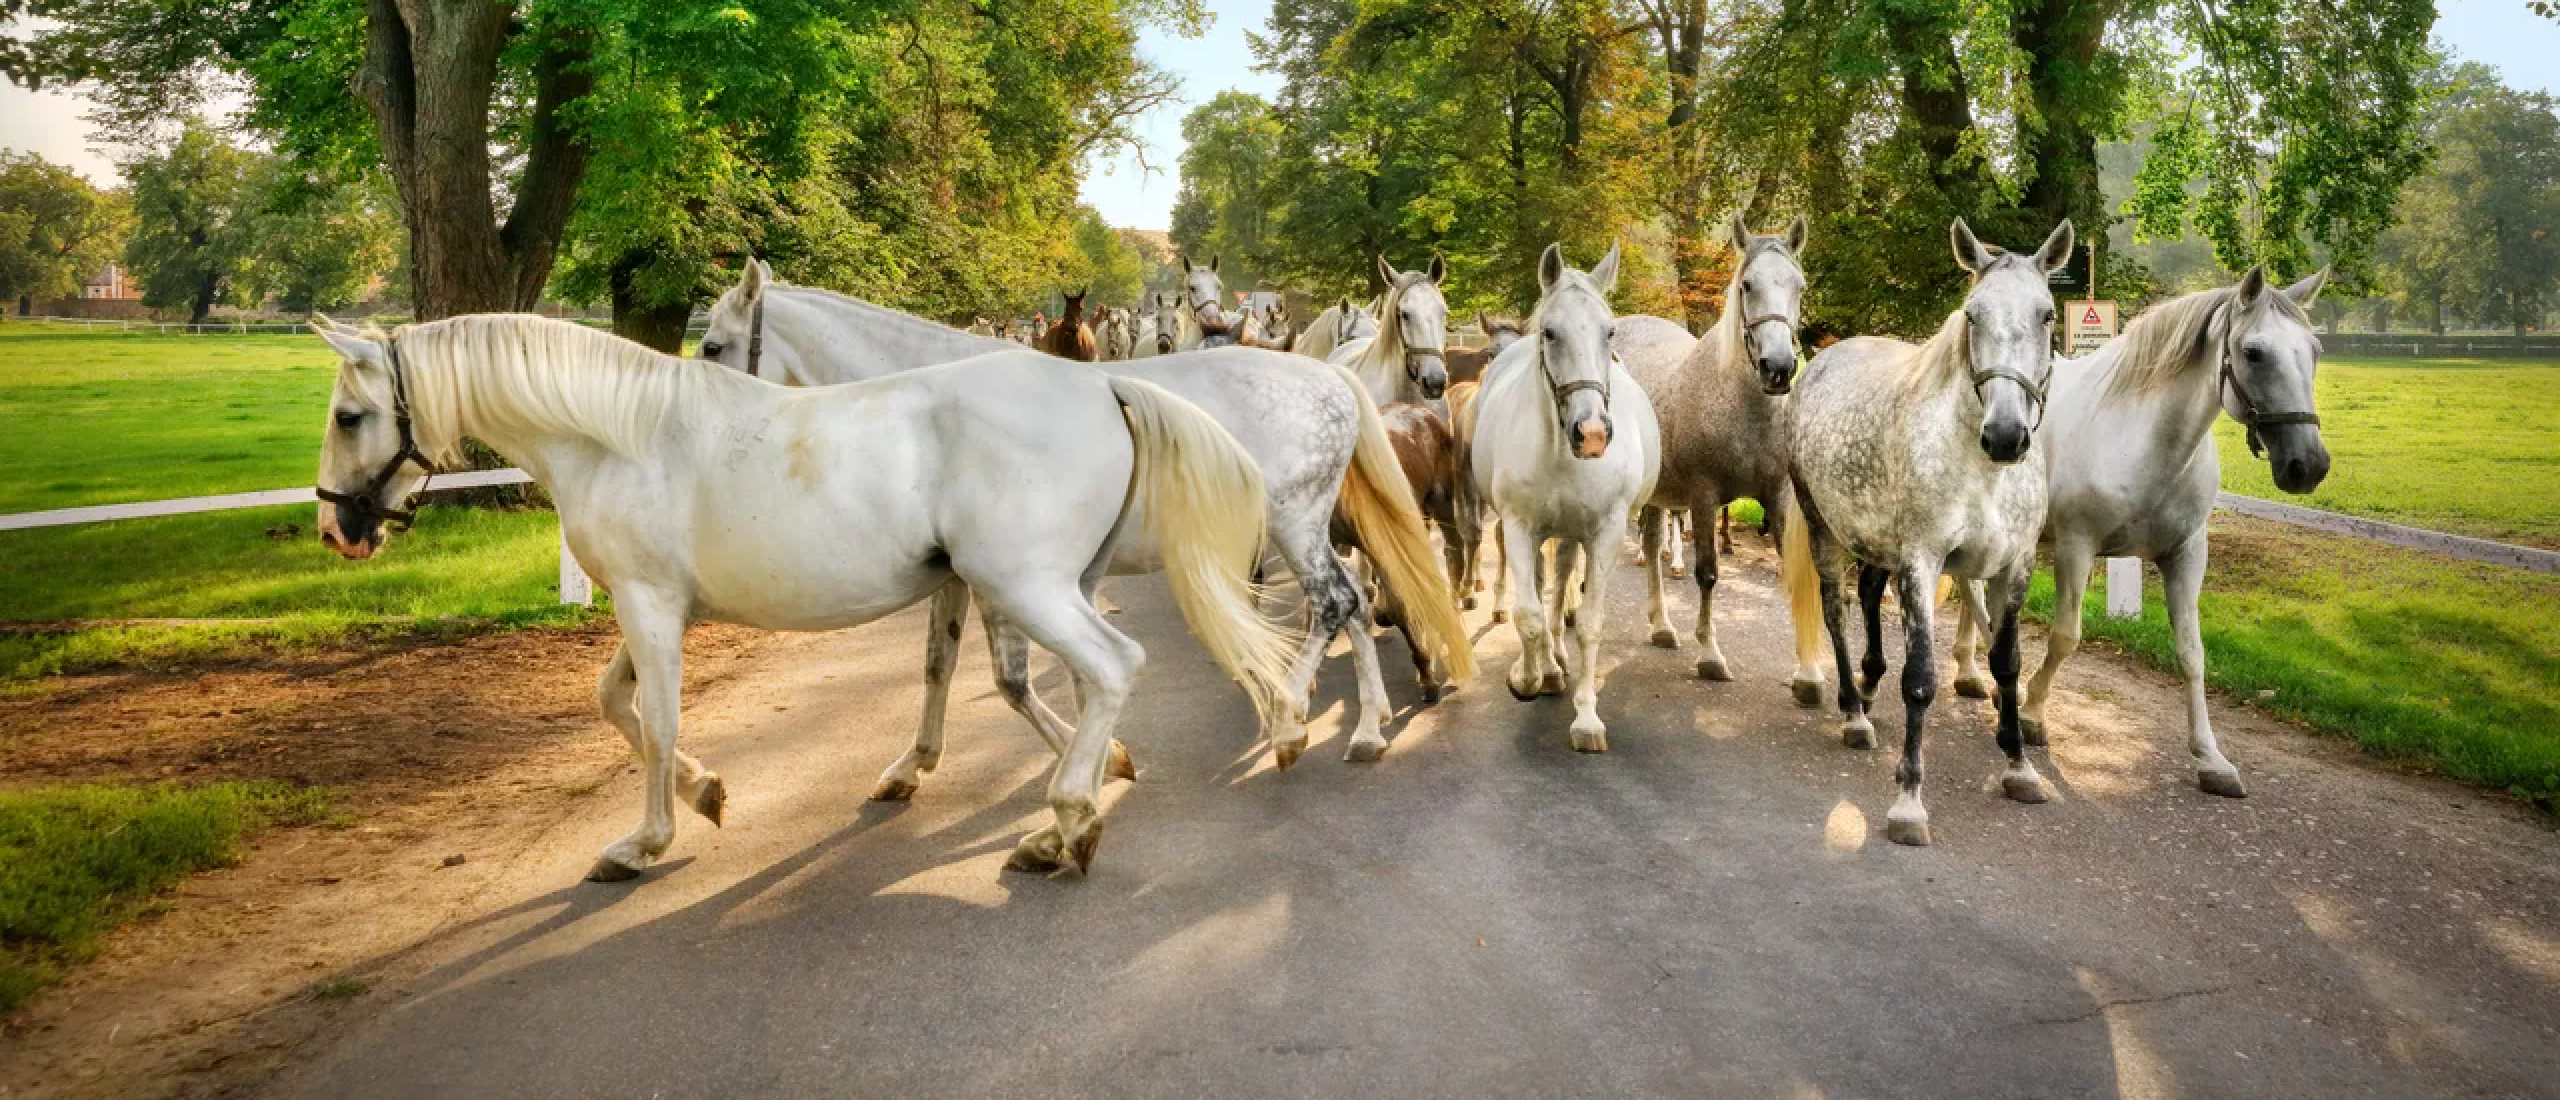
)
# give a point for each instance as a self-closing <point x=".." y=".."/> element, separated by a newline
<point x="1707" y="910"/>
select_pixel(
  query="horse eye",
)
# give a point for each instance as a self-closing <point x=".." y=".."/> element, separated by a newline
<point x="349" y="418"/>
<point x="2254" y="355"/>
<point x="711" y="349"/>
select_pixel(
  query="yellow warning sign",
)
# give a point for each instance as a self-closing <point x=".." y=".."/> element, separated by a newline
<point x="2092" y="325"/>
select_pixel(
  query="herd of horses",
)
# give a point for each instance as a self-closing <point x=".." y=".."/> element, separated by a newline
<point x="854" y="460"/>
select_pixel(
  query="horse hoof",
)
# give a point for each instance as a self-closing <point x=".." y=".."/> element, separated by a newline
<point x="1568" y="620"/>
<point x="1913" y="833"/>
<point x="1365" y="752"/>
<point x="711" y="799"/>
<point x="1679" y="573"/>
<point x="610" y="870"/>
<point x="1431" y="693"/>
<point x="1808" y="692"/>
<point x="1085" y="846"/>
<point x="1552" y="685"/>
<point x="1501" y="616"/>
<point x="1972" y="688"/>
<point x="1665" y="639"/>
<point x="1858" y="735"/>
<point x="2227" y="784"/>
<point x="2032" y="729"/>
<point x="1038" y="854"/>
<point x="1594" y="741"/>
<point x="1286" y="753"/>
<point x="1528" y="696"/>
<point x="1479" y="586"/>
<point x="1466" y="603"/>
<point x="2029" y="789"/>
<point x="893" y="790"/>
<point x="1120" y="767"/>
<point x="1713" y="668"/>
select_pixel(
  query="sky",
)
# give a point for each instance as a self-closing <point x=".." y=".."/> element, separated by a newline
<point x="2521" y="45"/>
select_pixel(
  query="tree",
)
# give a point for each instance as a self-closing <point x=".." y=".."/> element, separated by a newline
<point x="54" y="228"/>
<point x="194" y="207"/>
<point x="318" y="245"/>
<point x="2478" y="233"/>
<point x="1108" y="266"/>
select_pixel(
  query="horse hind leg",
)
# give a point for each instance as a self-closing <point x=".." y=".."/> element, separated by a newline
<point x="941" y="656"/>
<point x="1711" y="662"/>
<point x="1106" y="665"/>
<point x="1661" y="526"/>
<point x="1971" y="624"/>
<point x="1674" y="540"/>
<point x="1009" y="654"/>
<point x="1856" y="730"/>
<point x="615" y="690"/>
<point x="1871" y="586"/>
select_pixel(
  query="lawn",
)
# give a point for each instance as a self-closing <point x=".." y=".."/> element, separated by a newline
<point x="2448" y="663"/>
<point x="2467" y="446"/>
<point x="76" y="861"/>
<point x="102" y="417"/>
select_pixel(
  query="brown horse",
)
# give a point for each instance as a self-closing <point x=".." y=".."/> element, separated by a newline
<point x="1071" y="337"/>
<point x="1467" y="364"/>
<point x="1428" y="451"/>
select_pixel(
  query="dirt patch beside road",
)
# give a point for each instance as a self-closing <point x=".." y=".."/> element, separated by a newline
<point x="466" y="750"/>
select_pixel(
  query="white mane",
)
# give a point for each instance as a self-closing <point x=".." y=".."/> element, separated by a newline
<point x="1381" y="364"/>
<point x="2177" y="336"/>
<point x="492" y="372"/>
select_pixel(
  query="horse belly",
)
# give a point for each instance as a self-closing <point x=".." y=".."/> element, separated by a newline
<point x="800" y="584"/>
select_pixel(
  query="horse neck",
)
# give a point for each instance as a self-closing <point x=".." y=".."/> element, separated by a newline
<point x="585" y="400"/>
<point x="1726" y="359"/>
<point x="841" y="339"/>
<point x="2170" y="421"/>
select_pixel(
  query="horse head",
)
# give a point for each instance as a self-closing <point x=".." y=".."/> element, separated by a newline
<point x="734" y="336"/>
<point x="370" y="460"/>
<point x="1206" y="291"/>
<point x="2269" y="357"/>
<point x="1767" y="300"/>
<point x="2008" y="318"/>
<point x="1571" y="326"/>
<point x="1421" y="316"/>
<point x="1499" y="333"/>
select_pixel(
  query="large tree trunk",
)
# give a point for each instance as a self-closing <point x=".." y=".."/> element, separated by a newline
<point x="200" y="301"/>
<point x="2061" y="39"/>
<point x="430" y="69"/>
<point x="2382" y="315"/>
<point x="1936" y="107"/>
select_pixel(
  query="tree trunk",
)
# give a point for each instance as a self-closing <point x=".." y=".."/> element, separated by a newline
<point x="2061" y="39"/>
<point x="1935" y="103"/>
<point x="2382" y="315"/>
<point x="656" y="325"/>
<point x="2436" y="302"/>
<point x="430" y="69"/>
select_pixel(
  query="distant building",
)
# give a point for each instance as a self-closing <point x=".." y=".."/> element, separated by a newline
<point x="110" y="284"/>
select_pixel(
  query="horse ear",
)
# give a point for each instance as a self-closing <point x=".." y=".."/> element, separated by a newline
<point x="1605" y="273"/>
<point x="2057" y="248"/>
<point x="1438" y="270"/>
<point x="751" y="281"/>
<point x="1346" y="306"/>
<point x="2252" y="284"/>
<point x="2308" y="290"/>
<point x="1971" y="254"/>
<point x="1740" y="232"/>
<point x="1550" y="266"/>
<point x="1386" y="271"/>
<point x="1795" y="235"/>
<point x="1213" y="265"/>
<point x="350" y="345"/>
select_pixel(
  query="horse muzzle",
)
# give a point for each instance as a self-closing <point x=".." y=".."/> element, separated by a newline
<point x="2005" y="441"/>
<point x="1431" y="377"/>
<point x="2296" y="458"/>
<point x="1591" y="437"/>
<point x="1777" y="375"/>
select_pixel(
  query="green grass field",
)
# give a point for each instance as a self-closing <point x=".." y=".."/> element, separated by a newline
<point x="104" y="417"/>
<point x="76" y="861"/>
<point x="2466" y="446"/>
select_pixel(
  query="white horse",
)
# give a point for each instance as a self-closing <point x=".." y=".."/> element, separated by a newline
<point x="1116" y="335"/>
<point x="2132" y="470"/>
<point x="1155" y="328"/>
<point x="1722" y="401"/>
<point x="1565" y="446"/>
<point x="1318" y="440"/>
<point x="700" y="494"/>
<point x="1918" y="462"/>
<point x="1339" y="324"/>
<point x="1407" y="360"/>
<point x="1204" y="320"/>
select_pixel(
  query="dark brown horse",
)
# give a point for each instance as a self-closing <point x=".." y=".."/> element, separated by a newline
<point x="1467" y="364"/>
<point x="1071" y="337"/>
<point x="1428" y="451"/>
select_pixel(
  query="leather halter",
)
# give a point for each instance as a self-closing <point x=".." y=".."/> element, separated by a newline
<point x="2249" y="416"/>
<point x="755" y="338"/>
<point x="1562" y="392"/>
<point x="2035" y="392"/>
<point x="366" y="505"/>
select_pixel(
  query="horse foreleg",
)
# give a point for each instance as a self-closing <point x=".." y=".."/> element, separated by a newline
<point x="1502" y="577"/>
<point x="2006" y="594"/>
<point x="1908" y="821"/>
<point x="1711" y="662"/>
<point x="1588" y="734"/>
<point x="2182" y="574"/>
<point x="1533" y="672"/>
<point x="1105" y="663"/>
<point x="1972" y="622"/>
<point x="1660" y="526"/>
<point x="1871" y="586"/>
<point x="1678" y="524"/>
<point x="2072" y="560"/>
<point x="653" y="641"/>
<point x="698" y="787"/>
<point x="941" y="655"/>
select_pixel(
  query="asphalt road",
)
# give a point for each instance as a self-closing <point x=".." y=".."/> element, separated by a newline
<point x="1707" y="910"/>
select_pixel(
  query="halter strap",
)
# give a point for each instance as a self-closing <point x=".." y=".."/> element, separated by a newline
<point x="366" y="504"/>
<point x="755" y="338"/>
<point x="2250" y="417"/>
<point x="2034" y="392"/>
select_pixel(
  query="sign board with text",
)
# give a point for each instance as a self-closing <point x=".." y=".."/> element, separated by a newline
<point x="2088" y="326"/>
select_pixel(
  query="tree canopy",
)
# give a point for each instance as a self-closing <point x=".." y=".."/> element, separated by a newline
<point x="54" y="228"/>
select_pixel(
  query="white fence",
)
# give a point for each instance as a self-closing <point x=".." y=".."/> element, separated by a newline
<point x="575" y="586"/>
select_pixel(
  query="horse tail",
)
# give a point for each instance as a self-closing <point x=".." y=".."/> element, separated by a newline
<point x="1389" y="527"/>
<point x="1804" y="595"/>
<point x="1204" y="503"/>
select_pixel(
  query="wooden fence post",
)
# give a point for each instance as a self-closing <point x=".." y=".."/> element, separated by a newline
<point x="2124" y="588"/>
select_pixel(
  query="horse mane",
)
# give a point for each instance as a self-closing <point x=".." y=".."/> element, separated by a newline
<point x="1946" y="356"/>
<point x="1386" y="349"/>
<point x="516" y="370"/>
<point x="2172" y="338"/>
